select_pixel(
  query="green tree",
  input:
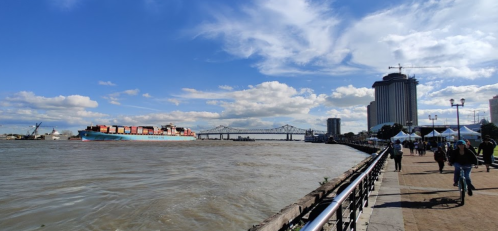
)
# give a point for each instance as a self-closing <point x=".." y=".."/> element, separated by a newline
<point x="388" y="131"/>
<point x="349" y="135"/>
<point x="489" y="129"/>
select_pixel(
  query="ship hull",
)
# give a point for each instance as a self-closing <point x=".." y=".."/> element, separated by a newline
<point x="99" y="136"/>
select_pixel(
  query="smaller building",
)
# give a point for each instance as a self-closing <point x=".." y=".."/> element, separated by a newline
<point x="333" y="127"/>
<point x="493" y="109"/>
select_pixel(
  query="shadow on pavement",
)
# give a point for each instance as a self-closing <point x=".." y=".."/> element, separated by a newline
<point x="434" y="203"/>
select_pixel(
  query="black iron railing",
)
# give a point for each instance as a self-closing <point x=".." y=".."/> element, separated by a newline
<point x="348" y="205"/>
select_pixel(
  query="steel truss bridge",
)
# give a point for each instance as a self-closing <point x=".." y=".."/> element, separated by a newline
<point x="288" y="130"/>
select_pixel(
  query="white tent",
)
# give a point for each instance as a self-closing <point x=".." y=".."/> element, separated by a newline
<point x="413" y="136"/>
<point x="466" y="131"/>
<point x="449" y="132"/>
<point x="400" y="136"/>
<point x="434" y="133"/>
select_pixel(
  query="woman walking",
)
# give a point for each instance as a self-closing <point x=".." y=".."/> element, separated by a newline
<point x="398" y="155"/>
<point x="440" y="158"/>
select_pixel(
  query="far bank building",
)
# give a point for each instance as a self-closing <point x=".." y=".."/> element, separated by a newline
<point x="333" y="127"/>
<point x="395" y="101"/>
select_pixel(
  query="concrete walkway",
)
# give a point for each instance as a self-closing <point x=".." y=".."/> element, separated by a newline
<point x="421" y="198"/>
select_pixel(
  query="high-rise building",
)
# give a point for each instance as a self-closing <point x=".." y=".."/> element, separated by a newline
<point x="396" y="99"/>
<point x="372" y="115"/>
<point x="493" y="109"/>
<point x="333" y="127"/>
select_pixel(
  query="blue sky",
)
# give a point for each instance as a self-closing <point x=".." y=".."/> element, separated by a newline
<point x="244" y="64"/>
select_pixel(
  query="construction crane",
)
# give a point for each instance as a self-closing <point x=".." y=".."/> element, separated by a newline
<point x="399" y="67"/>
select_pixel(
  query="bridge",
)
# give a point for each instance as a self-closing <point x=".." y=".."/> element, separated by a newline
<point x="288" y="130"/>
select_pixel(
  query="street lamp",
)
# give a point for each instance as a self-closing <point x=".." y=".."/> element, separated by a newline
<point x="435" y="118"/>
<point x="452" y="101"/>
<point x="409" y="123"/>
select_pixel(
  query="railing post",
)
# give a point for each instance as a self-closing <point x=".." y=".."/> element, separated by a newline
<point x="338" y="215"/>
<point x="352" y="214"/>
<point x="363" y="194"/>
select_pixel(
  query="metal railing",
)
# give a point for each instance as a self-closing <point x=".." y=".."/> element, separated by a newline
<point x="348" y="205"/>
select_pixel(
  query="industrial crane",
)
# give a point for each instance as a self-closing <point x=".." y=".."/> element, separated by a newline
<point x="399" y="67"/>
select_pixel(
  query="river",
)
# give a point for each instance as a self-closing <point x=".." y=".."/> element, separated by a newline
<point x="198" y="185"/>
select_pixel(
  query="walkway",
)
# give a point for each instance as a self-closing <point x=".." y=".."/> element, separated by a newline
<point x="420" y="198"/>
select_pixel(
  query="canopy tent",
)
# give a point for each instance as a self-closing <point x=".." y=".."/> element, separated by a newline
<point x="466" y="131"/>
<point x="414" y="136"/>
<point x="434" y="133"/>
<point x="449" y="132"/>
<point x="400" y="136"/>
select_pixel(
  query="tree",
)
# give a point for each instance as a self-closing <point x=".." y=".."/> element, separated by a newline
<point x="388" y="131"/>
<point x="490" y="129"/>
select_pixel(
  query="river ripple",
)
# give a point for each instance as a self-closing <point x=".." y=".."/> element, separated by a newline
<point x="199" y="185"/>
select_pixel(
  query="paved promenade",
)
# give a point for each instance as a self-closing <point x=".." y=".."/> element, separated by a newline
<point x="421" y="198"/>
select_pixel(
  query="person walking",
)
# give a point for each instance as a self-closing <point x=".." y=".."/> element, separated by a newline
<point x="440" y="158"/>
<point x="421" y="148"/>
<point x="411" y="146"/>
<point x="494" y="146"/>
<point x="487" y="152"/>
<point x="398" y="155"/>
<point x="463" y="157"/>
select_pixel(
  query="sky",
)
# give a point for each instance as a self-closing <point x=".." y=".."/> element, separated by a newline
<point x="239" y="63"/>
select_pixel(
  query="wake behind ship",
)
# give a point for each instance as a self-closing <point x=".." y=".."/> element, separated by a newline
<point x="136" y="133"/>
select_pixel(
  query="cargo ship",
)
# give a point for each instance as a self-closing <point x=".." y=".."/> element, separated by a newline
<point x="136" y="133"/>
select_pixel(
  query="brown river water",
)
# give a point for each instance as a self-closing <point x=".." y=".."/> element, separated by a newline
<point x="121" y="186"/>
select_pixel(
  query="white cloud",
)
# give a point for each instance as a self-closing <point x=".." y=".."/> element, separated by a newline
<point x="131" y="92"/>
<point x="106" y="83"/>
<point x="350" y="96"/>
<point x="459" y="36"/>
<point x="174" y="101"/>
<point x="267" y="99"/>
<point x="146" y="95"/>
<point x="28" y="107"/>
<point x="114" y="98"/>
<point x="177" y="117"/>
<point x="225" y="87"/>
<point x="29" y="99"/>
<point x="473" y="95"/>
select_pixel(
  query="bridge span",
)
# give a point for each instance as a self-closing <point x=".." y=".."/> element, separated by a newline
<point x="287" y="130"/>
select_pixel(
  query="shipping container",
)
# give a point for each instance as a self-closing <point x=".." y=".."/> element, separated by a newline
<point x="103" y="128"/>
<point x="140" y="130"/>
<point x="120" y="130"/>
<point x="112" y="129"/>
<point x="134" y="129"/>
<point x="127" y="130"/>
<point x="145" y="131"/>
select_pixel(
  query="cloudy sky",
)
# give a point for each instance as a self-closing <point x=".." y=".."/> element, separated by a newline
<point x="239" y="63"/>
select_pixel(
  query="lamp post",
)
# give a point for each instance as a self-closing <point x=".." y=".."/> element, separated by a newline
<point x="452" y="101"/>
<point x="409" y="123"/>
<point x="435" y="118"/>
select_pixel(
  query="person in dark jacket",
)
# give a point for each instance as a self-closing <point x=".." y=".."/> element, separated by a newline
<point x="398" y="155"/>
<point x="463" y="157"/>
<point x="487" y="152"/>
<point x="440" y="158"/>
